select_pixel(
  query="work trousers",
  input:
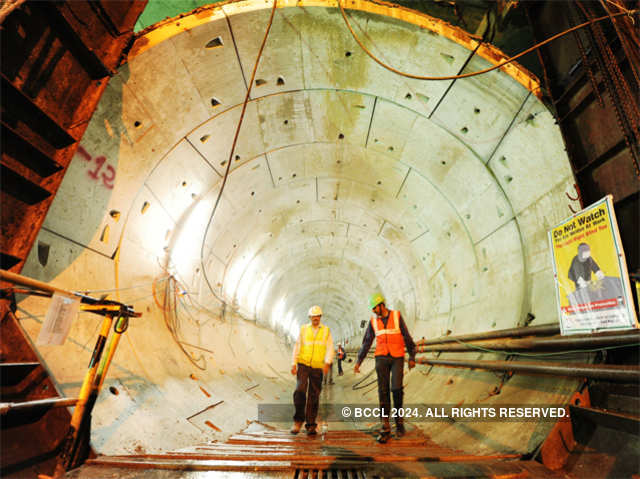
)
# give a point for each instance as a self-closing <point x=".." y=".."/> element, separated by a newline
<point x="387" y="366"/>
<point x="307" y="394"/>
<point x="340" y="366"/>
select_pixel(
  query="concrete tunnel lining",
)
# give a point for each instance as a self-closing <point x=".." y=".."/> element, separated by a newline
<point x="442" y="220"/>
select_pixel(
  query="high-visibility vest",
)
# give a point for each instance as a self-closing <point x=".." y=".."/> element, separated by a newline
<point x="313" y="346"/>
<point x="389" y="340"/>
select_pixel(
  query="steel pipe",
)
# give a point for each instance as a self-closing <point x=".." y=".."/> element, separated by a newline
<point x="599" y="340"/>
<point x="609" y="372"/>
<point x="5" y="407"/>
<point x="541" y="330"/>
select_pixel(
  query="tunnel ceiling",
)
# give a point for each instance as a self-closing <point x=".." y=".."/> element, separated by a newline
<point x="346" y="178"/>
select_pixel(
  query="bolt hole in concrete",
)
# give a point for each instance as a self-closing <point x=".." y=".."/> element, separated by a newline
<point x="43" y="253"/>
<point x="145" y="207"/>
<point x="215" y="102"/>
<point x="260" y="82"/>
<point x="408" y="96"/>
<point x="115" y="214"/>
<point x="476" y="110"/>
<point x="347" y="54"/>
<point x="286" y="122"/>
<point x="237" y="157"/>
<point x="379" y="182"/>
<point x="184" y="183"/>
<point x="215" y="43"/>
<point x="464" y="129"/>
<point x="114" y="390"/>
<point x="205" y="138"/>
<point x="137" y="124"/>
<point x="443" y="162"/>
<point x="293" y="175"/>
<point x="340" y="136"/>
<point x="508" y="178"/>
<point x="104" y="237"/>
<point x="222" y="163"/>
<point x="253" y="193"/>
<point x="390" y="148"/>
<point x="280" y="81"/>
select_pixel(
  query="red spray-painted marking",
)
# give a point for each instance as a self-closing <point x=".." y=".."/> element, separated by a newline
<point x="108" y="177"/>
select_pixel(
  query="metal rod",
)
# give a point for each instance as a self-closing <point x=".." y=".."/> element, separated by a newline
<point x="614" y="338"/>
<point x="5" y="407"/>
<point x="609" y="372"/>
<point x="541" y="330"/>
<point x="102" y="306"/>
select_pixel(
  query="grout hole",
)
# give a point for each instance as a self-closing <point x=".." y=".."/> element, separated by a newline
<point x="237" y="157"/>
<point x="464" y="129"/>
<point x="115" y="214"/>
<point x="280" y="81"/>
<point x="137" y="124"/>
<point x="390" y="148"/>
<point x="508" y="178"/>
<point x="253" y="193"/>
<point x="347" y="54"/>
<point x="215" y="43"/>
<point x="408" y="96"/>
<point x="205" y="138"/>
<point x="145" y="207"/>
<point x="222" y="163"/>
<point x="260" y="82"/>
<point x="43" y="253"/>
<point x="476" y="110"/>
<point x="215" y="102"/>
<point x="286" y="122"/>
<point x="379" y="182"/>
<point x="293" y="175"/>
<point x="184" y="183"/>
<point x="340" y="136"/>
<point x="113" y="390"/>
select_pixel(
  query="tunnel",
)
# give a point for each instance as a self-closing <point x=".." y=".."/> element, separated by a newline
<point x="247" y="161"/>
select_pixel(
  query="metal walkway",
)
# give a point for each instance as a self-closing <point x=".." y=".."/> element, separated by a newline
<point x="264" y="452"/>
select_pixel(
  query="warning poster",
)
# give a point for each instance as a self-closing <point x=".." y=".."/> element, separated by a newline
<point x="592" y="284"/>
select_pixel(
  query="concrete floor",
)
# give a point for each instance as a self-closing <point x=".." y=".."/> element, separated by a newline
<point x="346" y="179"/>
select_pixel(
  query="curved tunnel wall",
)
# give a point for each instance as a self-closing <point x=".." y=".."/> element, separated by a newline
<point x="346" y="179"/>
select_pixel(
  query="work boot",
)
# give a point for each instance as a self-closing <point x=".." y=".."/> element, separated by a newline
<point x="385" y="432"/>
<point x="296" y="427"/>
<point x="400" y="430"/>
<point x="312" y="431"/>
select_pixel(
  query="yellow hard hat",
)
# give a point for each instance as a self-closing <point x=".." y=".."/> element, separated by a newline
<point x="315" y="311"/>
<point x="375" y="299"/>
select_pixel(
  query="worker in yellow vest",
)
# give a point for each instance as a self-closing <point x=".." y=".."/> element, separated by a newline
<point x="312" y="357"/>
<point x="392" y="337"/>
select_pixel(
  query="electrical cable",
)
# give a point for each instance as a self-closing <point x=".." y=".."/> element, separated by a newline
<point x="479" y="72"/>
<point x="233" y="145"/>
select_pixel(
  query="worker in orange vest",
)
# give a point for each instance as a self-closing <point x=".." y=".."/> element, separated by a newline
<point x="392" y="337"/>
<point x="312" y="356"/>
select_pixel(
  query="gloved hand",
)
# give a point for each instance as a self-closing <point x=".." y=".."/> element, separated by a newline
<point x="581" y="282"/>
<point x="599" y="274"/>
<point x="412" y="364"/>
<point x="294" y="369"/>
<point x="356" y="368"/>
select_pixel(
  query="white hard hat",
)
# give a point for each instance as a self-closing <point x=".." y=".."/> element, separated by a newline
<point x="315" y="311"/>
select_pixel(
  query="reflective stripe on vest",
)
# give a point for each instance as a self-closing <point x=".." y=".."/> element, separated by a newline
<point x="389" y="340"/>
<point x="313" y="346"/>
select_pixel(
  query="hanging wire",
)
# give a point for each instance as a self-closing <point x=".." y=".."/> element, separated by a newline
<point x="479" y="72"/>
<point x="233" y="146"/>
